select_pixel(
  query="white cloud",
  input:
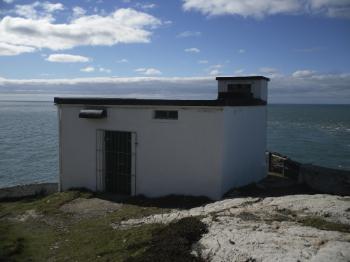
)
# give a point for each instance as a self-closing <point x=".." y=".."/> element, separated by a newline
<point x="167" y="22"/>
<point x="320" y="88"/>
<point x="67" y="58"/>
<point x="145" y="6"/>
<point x="122" y="26"/>
<point x="315" y="88"/>
<point x="8" y="50"/>
<point x="214" y="72"/>
<point x="331" y="8"/>
<point x="123" y="60"/>
<point x="134" y="87"/>
<point x="203" y="61"/>
<point x="217" y="66"/>
<point x="27" y="11"/>
<point x="192" y="50"/>
<point x="38" y="10"/>
<point x="148" y="71"/>
<point x="241" y="51"/>
<point x="261" y="8"/>
<point x="105" y="70"/>
<point x="8" y="1"/>
<point x="303" y="73"/>
<point x="78" y="11"/>
<point x="88" y="69"/>
<point x="309" y="49"/>
<point x="239" y="71"/>
<point x="189" y="34"/>
<point x="270" y="72"/>
<point x="49" y="7"/>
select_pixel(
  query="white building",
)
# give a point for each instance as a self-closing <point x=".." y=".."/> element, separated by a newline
<point x="161" y="147"/>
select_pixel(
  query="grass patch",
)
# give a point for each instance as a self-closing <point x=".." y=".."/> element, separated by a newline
<point x="46" y="205"/>
<point x="25" y="241"/>
<point x="52" y="203"/>
<point x="58" y="236"/>
<point x="173" y="242"/>
<point x="88" y="240"/>
<point x="94" y="240"/>
<point x="247" y="216"/>
<point x="322" y="224"/>
<point x="134" y="212"/>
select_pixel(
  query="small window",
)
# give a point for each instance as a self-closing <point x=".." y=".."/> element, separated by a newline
<point x="163" y="114"/>
<point x="240" y="90"/>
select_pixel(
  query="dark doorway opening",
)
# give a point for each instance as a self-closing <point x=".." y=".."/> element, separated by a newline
<point x="118" y="162"/>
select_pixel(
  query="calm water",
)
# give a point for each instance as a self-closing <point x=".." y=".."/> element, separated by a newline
<point x="318" y="134"/>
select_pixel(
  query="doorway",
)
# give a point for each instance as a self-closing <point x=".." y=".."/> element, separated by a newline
<point x="118" y="162"/>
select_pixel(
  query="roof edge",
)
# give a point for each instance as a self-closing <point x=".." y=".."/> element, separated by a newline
<point x="242" y="78"/>
<point x="157" y="102"/>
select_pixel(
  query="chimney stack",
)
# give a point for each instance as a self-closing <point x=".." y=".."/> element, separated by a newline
<point x="243" y="87"/>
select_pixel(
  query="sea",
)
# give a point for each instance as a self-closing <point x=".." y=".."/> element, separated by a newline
<point x="315" y="134"/>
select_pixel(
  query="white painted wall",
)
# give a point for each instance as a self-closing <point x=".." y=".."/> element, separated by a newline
<point x="207" y="151"/>
<point x="181" y="156"/>
<point x="244" y="146"/>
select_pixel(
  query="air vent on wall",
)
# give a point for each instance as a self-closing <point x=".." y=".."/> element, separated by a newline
<point x="93" y="113"/>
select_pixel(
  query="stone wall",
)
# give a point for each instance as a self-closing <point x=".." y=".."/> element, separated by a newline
<point x="321" y="179"/>
<point x="325" y="180"/>
<point x="28" y="190"/>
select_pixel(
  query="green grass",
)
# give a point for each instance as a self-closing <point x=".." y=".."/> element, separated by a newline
<point x="173" y="242"/>
<point x="89" y="240"/>
<point x="62" y="237"/>
<point x="46" y="205"/>
<point x="320" y="223"/>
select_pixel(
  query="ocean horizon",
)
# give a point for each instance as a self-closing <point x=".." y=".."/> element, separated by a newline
<point x="318" y="134"/>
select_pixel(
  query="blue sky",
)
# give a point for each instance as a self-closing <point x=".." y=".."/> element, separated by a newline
<point x="59" y="46"/>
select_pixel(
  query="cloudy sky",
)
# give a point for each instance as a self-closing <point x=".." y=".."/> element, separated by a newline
<point x="174" y="49"/>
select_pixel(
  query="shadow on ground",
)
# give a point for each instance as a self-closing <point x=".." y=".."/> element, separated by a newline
<point x="171" y="201"/>
<point x="272" y="186"/>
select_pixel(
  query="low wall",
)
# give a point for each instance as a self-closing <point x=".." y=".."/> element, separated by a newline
<point x="322" y="179"/>
<point x="326" y="180"/>
<point x="283" y="165"/>
<point x="28" y="190"/>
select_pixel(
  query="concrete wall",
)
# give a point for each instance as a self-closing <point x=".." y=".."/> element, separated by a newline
<point x="259" y="87"/>
<point x="245" y="146"/>
<point x="28" y="190"/>
<point x="181" y="156"/>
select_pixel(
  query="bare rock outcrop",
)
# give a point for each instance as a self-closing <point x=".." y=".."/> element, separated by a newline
<point x="288" y="228"/>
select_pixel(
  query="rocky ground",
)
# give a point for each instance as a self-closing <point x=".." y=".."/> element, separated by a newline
<point x="288" y="228"/>
<point x="274" y="220"/>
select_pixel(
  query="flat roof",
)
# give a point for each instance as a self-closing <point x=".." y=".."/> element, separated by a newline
<point x="242" y="78"/>
<point x="156" y="102"/>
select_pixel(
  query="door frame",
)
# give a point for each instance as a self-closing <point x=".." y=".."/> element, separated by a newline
<point x="100" y="159"/>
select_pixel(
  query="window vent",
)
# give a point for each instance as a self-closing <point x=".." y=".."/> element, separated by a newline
<point x="166" y="114"/>
<point x="240" y="90"/>
<point x="93" y="113"/>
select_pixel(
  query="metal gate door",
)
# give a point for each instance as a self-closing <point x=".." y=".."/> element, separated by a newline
<point x="118" y="162"/>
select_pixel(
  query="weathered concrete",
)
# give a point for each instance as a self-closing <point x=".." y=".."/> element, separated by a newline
<point x="28" y="190"/>
<point x="269" y="229"/>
